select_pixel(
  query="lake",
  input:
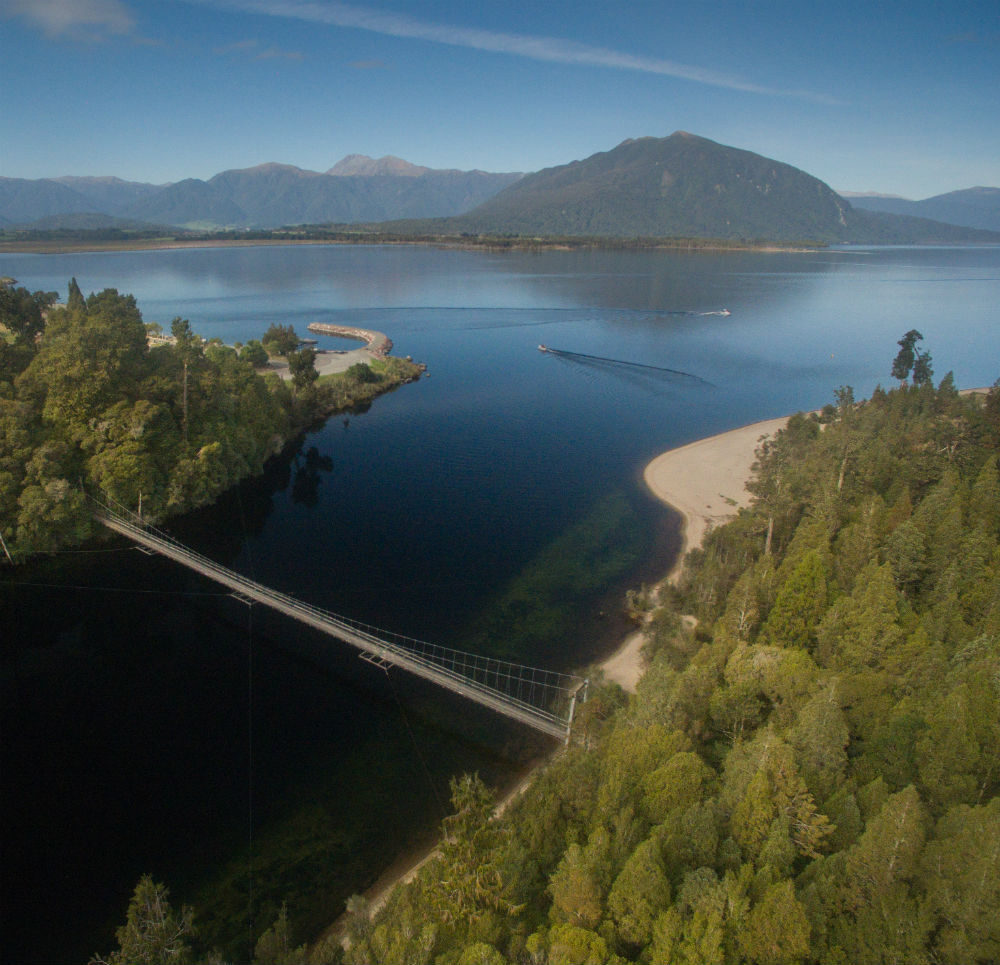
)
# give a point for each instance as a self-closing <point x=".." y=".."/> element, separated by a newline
<point x="153" y="724"/>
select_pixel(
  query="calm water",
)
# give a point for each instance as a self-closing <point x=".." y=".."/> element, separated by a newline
<point x="152" y="724"/>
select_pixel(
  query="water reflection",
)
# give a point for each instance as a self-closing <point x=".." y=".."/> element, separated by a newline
<point x="308" y="476"/>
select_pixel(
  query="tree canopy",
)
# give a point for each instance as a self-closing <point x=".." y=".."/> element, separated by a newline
<point x="87" y="402"/>
<point x="811" y="774"/>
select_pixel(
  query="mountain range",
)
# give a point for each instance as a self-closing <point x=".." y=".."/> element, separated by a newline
<point x="357" y="188"/>
<point x="972" y="207"/>
<point x="681" y="186"/>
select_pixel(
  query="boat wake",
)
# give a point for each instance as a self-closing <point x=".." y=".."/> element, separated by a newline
<point x="583" y="357"/>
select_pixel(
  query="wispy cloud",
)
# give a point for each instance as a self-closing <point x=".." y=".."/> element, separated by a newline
<point x="88" y="20"/>
<point x="254" y="50"/>
<point x="974" y="39"/>
<point x="549" y="49"/>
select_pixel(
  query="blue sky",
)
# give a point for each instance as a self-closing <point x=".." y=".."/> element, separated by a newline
<point x="897" y="97"/>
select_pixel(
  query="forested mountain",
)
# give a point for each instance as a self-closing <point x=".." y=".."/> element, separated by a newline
<point x="363" y="165"/>
<point x="685" y="186"/>
<point x="24" y="201"/>
<point x="973" y="207"/>
<point x="267" y="196"/>
<point x="272" y="195"/>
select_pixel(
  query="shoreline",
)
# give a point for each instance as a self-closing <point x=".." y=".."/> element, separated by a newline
<point x="79" y="246"/>
<point x="686" y="478"/>
<point x="705" y="481"/>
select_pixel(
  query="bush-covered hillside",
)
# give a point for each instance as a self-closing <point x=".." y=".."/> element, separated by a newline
<point x="810" y="774"/>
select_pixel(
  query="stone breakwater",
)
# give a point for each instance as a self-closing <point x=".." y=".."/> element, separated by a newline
<point x="378" y="343"/>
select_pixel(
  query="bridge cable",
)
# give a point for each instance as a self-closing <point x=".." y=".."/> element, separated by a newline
<point x="250" y="742"/>
<point x="416" y="746"/>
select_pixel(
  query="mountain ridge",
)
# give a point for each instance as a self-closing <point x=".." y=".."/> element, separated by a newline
<point x="687" y="186"/>
<point x="977" y="207"/>
<point x="263" y="196"/>
<point x="679" y="186"/>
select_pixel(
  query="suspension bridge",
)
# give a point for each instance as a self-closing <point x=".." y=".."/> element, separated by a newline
<point x="542" y="699"/>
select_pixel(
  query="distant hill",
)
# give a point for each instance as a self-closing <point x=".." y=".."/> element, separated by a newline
<point x="358" y="188"/>
<point x="688" y="186"/>
<point x="24" y="201"/>
<point x="92" y="221"/>
<point x="972" y="208"/>
<point x="273" y="195"/>
<point x="110" y="195"/>
<point x="364" y="166"/>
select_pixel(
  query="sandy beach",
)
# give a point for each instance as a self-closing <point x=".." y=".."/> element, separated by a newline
<point x="705" y="481"/>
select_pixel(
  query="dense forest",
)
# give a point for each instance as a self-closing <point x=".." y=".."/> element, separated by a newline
<point x="94" y="400"/>
<point x="809" y="771"/>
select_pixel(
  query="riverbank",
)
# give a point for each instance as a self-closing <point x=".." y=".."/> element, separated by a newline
<point x="705" y="481"/>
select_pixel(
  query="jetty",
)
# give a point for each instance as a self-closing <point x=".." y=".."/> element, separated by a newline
<point x="378" y="343"/>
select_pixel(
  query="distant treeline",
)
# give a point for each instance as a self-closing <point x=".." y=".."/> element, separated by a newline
<point x="63" y="238"/>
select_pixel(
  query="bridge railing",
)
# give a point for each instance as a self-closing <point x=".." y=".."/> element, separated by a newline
<point x="545" y="694"/>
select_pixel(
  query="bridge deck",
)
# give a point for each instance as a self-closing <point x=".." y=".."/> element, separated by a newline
<point x="368" y="643"/>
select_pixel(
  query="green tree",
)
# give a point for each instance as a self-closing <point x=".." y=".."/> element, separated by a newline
<point x="21" y="311"/>
<point x="89" y="360"/>
<point x="678" y="783"/>
<point x="902" y="365"/>
<point x="693" y="930"/>
<point x="254" y="353"/>
<point x="890" y="848"/>
<point x="360" y="372"/>
<point x="470" y="890"/>
<point x="302" y="365"/>
<point x="188" y="349"/>
<point x="776" y="931"/>
<point x="800" y="604"/>
<point x="960" y="872"/>
<point x="640" y="892"/>
<point x="75" y="301"/>
<point x="280" y="340"/>
<point x="922" y="370"/>
<point x="275" y="946"/>
<point x="820" y="739"/>
<point x="153" y="933"/>
<point x="577" y="895"/>
<point x="566" y="944"/>
<point x="51" y="514"/>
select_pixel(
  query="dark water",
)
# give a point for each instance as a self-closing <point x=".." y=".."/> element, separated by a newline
<point x="151" y="724"/>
